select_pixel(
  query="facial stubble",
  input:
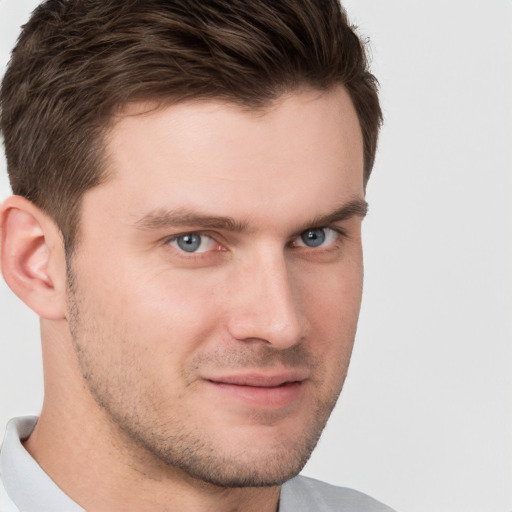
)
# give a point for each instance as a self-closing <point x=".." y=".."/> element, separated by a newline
<point x="170" y="441"/>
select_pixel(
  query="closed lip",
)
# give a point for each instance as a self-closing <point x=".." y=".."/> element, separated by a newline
<point x="261" y="380"/>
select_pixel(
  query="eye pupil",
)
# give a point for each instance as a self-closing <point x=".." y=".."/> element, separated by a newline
<point x="189" y="243"/>
<point x="313" y="237"/>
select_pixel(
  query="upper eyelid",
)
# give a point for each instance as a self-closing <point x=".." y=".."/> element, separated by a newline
<point x="341" y="233"/>
<point x="193" y="255"/>
<point x="215" y="236"/>
<point x="337" y="229"/>
<point x="207" y="232"/>
<point x="170" y="238"/>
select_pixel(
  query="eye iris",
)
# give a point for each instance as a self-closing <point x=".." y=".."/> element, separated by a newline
<point x="189" y="243"/>
<point x="313" y="237"/>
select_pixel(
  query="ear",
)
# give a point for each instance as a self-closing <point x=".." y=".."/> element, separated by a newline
<point x="32" y="257"/>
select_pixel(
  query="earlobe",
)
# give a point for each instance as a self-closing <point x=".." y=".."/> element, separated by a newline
<point x="32" y="257"/>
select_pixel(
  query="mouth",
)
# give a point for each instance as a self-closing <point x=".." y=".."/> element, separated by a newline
<point x="261" y="390"/>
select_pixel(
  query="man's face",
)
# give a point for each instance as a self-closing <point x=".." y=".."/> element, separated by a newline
<point x="215" y="291"/>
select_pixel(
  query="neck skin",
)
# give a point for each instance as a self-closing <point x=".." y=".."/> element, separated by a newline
<point x="102" y="470"/>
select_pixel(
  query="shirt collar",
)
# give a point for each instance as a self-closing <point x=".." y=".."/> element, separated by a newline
<point x="27" y="485"/>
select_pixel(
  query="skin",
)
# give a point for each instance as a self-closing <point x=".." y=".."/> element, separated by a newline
<point x="164" y="369"/>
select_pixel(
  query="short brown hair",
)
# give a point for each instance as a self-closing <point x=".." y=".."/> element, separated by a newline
<point x="77" y="60"/>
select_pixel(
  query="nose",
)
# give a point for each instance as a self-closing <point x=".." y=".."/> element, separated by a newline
<point x="264" y="305"/>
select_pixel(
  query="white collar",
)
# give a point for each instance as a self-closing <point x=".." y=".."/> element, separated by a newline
<point x="25" y="482"/>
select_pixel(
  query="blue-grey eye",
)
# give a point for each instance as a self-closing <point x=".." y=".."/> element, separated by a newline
<point x="189" y="243"/>
<point x="313" y="237"/>
<point x="316" y="237"/>
<point x="193" y="242"/>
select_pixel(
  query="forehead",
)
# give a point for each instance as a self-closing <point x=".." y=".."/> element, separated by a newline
<point x="303" y="149"/>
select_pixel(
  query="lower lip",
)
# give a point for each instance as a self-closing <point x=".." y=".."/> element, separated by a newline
<point x="264" y="397"/>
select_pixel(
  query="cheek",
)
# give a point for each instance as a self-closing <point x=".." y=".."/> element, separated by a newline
<point x="159" y="314"/>
<point x="331" y="295"/>
<point x="331" y="300"/>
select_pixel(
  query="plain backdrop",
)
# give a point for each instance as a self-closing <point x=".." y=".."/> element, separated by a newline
<point x="425" y="419"/>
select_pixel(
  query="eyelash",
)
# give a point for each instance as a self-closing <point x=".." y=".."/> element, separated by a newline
<point x="341" y="234"/>
<point x="194" y="255"/>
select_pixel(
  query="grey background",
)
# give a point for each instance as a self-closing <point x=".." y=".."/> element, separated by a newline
<point x="425" y="419"/>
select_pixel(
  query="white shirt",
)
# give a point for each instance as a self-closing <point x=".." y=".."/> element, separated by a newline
<point x="25" y="487"/>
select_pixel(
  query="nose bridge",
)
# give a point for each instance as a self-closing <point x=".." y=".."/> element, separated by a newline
<point x="265" y="306"/>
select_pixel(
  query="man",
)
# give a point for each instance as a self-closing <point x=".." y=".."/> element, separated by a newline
<point x="189" y="184"/>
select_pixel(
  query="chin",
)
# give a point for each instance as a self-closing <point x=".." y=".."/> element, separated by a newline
<point x="254" y="471"/>
<point x="258" y="459"/>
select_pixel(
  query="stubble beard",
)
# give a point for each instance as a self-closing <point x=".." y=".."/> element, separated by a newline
<point x="171" y="442"/>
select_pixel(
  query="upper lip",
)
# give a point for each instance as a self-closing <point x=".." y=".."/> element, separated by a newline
<point x="261" y="380"/>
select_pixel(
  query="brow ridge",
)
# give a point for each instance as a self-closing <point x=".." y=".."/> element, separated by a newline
<point x="161" y="219"/>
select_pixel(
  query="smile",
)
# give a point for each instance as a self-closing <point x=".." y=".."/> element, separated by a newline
<point x="261" y="391"/>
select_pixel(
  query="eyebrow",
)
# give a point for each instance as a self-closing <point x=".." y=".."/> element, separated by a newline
<point x="160" y="219"/>
<point x="354" y="208"/>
